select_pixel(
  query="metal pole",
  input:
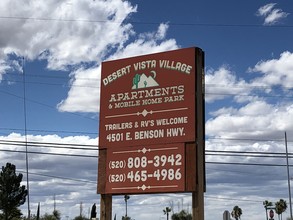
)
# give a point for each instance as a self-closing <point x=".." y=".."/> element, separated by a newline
<point x="288" y="173"/>
<point x="25" y="135"/>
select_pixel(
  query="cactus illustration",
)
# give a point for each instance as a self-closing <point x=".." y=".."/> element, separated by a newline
<point x="136" y="80"/>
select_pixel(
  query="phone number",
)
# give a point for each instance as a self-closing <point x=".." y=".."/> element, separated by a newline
<point x="143" y="175"/>
<point x="143" y="162"/>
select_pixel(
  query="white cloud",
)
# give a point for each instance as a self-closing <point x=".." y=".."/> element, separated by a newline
<point x="72" y="33"/>
<point x="255" y="125"/>
<point x="3" y="68"/>
<point x="83" y="44"/>
<point x="146" y="43"/>
<point x="266" y="9"/>
<point x="7" y="65"/>
<point x="84" y="93"/>
<point x="275" y="72"/>
<point x="48" y="169"/>
<point x="254" y="119"/>
<point x="271" y="15"/>
<point x="257" y="116"/>
<point x="223" y="82"/>
<point x="63" y="32"/>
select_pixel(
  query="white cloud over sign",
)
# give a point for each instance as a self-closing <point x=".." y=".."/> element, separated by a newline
<point x="84" y="93"/>
<point x="69" y="34"/>
<point x="271" y="16"/>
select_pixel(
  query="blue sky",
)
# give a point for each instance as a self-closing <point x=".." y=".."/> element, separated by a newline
<point x="249" y="77"/>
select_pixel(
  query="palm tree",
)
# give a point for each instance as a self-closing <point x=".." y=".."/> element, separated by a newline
<point x="266" y="205"/>
<point x="182" y="215"/>
<point x="166" y="212"/>
<point x="281" y="207"/>
<point x="126" y="197"/>
<point x="236" y="212"/>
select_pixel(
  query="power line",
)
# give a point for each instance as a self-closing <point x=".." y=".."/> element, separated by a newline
<point x="51" y="145"/>
<point x="232" y="199"/>
<point x="247" y="139"/>
<point x="208" y="85"/>
<point x="207" y="162"/>
<point x="248" y="95"/>
<point x="51" y="131"/>
<point x="45" y="105"/>
<point x="144" y="22"/>
<point x="46" y="153"/>
<point x="54" y="84"/>
<point x="247" y="164"/>
<point x="45" y="76"/>
<point x="59" y="177"/>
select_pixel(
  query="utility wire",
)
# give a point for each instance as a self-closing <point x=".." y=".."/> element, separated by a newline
<point x="54" y="84"/>
<point x="143" y="22"/>
<point x="95" y="147"/>
<point x="47" y="153"/>
<point x="59" y="177"/>
<point x="96" y="156"/>
<point x="50" y="144"/>
<point x="208" y="85"/>
<point x="246" y="139"/>
<point x="45" y="105"/>
<point x="51" y="131"/>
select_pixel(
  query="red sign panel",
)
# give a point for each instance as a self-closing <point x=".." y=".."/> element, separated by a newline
<point x="148" y="100"/>
<point x="155" y="168"/>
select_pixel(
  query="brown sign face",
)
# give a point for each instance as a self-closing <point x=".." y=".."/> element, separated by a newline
<point x="154" y="168"/>
<point x="148" y="100"/>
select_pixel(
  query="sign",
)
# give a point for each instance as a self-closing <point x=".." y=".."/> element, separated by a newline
<point x="152" y="124"/>
<point x="148" y="100"/>
<point x="226" y="215"/>
<point x="155" y="168"/>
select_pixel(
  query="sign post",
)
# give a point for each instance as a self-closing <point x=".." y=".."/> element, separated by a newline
<point x="151" y="134"/>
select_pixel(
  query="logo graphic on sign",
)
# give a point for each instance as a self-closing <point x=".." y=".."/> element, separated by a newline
<point x="142" y="81"/>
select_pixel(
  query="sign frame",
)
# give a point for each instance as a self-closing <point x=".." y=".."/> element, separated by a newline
<point x="193" y="142"/>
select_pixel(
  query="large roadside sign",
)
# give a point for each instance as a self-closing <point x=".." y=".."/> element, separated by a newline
<point x="147" y="115"/>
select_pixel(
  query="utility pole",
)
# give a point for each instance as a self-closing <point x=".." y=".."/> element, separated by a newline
<point x="80" y="209"/>
<point x="25" y="136"/>
<point x="288" y="174"/>
<point x="54" y="202"/>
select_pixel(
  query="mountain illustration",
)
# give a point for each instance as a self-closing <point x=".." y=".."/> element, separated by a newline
<point x="142" y="81"/>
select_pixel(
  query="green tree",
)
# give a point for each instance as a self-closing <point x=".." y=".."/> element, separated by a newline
<point x="56" y="215"/>
<point x="236" y="212"/>
<point x="166" y="212"/>
<point x="281" y="207"/>
<point x="12" y="194"/>
<point x="80" y="218"/>
<point x="182" y="215"/>
<point x="126" y="197"/>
